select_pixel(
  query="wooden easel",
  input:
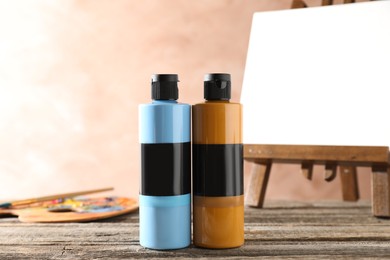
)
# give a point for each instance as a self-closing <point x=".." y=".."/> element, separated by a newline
<point x="346" y="158"/>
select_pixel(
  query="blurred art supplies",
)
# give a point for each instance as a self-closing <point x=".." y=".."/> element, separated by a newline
<point x="80" y="209"/>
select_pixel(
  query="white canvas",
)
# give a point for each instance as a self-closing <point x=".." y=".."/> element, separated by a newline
<point x="319" y="76"/>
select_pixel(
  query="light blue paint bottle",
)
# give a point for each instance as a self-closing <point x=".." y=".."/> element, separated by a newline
<point x="165" y="191"/>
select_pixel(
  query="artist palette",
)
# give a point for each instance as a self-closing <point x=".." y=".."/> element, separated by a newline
<point x="81" y="209"/>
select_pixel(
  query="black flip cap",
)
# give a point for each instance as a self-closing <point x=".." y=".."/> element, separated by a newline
<point x="164" y="87"/>
<point x="217" y="86"/>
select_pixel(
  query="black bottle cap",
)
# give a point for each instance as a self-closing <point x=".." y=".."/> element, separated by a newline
<point x="164" y="87"/>
<point x="217" y="86"/>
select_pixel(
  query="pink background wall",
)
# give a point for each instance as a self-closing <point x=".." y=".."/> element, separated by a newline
<point x="72" y="74"/>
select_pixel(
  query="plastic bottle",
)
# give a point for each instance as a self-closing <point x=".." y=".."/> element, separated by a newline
<point x="218" y="201"/>
<point x="165" y="199"/>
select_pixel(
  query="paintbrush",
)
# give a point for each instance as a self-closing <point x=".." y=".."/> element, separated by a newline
<point x="50" y="197"/>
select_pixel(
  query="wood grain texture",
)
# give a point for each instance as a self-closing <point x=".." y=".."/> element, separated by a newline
<point x="283" y="229"/>
<point x="298" y="4"/>
<point x="380" y="188"/>
<point x="257" y="184"/>
<point x="343" y="155"/>
<point x="349" y="183"/>
<point x="326" y="2"/>
<point x="376" y="157"/>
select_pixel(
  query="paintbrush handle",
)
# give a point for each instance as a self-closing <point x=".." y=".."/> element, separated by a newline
<point x="51" y="197"/>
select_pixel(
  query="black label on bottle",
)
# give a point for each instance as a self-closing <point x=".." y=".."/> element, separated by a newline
<point x="166" y="169"/>
<point x="218" y="170"/>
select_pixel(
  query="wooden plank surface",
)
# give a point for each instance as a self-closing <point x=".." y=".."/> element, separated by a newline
<point x="346" y="155"/>
<point x="283" y="229"/>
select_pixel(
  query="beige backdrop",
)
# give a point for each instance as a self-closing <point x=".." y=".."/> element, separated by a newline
<point x="72" y="74"/>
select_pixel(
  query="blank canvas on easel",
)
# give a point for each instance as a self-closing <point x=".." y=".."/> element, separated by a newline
<point x="319" y="76"/>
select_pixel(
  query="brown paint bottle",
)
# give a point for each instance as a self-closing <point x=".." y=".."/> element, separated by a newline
<point x="218" y="202"/>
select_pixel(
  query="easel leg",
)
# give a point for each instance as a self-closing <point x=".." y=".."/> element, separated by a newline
<point x="257" y="184"/>
<point x="349" y="183"/>
<point x="380" y="188"/>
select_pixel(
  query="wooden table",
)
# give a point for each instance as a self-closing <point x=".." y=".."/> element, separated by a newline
<point x="283" y="229"/>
